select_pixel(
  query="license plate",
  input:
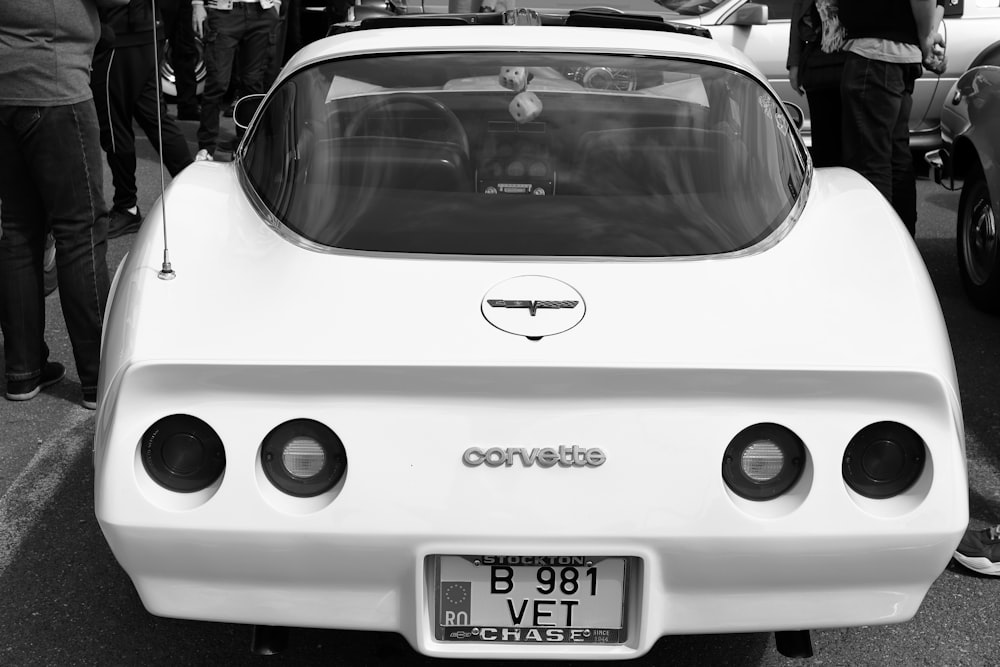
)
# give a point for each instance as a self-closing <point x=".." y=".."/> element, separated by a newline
<point x="531" y="599"/>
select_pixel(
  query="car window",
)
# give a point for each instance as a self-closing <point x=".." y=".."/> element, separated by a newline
<point x="779" y="10"/>
<point x="527" y="154"/>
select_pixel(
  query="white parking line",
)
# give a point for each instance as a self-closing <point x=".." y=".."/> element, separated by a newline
<point x="29" y="494"/>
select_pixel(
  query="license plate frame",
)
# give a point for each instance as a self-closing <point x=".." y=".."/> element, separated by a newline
<point x="530" y="599"/>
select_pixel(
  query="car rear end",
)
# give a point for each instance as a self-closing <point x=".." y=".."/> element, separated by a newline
<point x="648" y="385"/>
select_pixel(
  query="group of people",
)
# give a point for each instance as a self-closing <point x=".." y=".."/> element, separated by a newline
<point x="74" y="77"/>
<point x="239" y="35"/>
<point x="856" y="61"/>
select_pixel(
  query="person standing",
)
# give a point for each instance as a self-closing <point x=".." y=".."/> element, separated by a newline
<point x="227" y="27"/>
<point x="51" y="179"/>
<point x="125" y="86"/>
<point x="888" y="41"/>
<point x="815" y="67"/>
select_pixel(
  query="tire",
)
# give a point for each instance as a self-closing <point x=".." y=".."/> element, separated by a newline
<point x="977" y="243"/>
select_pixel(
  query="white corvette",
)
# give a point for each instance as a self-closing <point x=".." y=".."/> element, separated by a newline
<point x="533" y="338"/>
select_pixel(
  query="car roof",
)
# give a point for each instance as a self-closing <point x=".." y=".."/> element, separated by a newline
<point x="440" y="39"/>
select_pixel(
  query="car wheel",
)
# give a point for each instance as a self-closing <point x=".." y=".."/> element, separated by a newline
<point x="168" y="79"/>
<point x="978" y="256"/>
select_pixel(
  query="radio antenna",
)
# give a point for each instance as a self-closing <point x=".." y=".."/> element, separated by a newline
<point x="166" y="270"/>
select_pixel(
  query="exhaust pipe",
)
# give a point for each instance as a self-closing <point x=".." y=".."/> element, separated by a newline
<point x="268" y="640"/>
<point x="794" y="643"/>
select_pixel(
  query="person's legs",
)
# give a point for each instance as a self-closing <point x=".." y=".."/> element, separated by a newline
<point x="872" y="94"/>
<point x="904" y="178"/>
<point x="113" y="83"/>
<point x="257" y="47"/>
<point x="223" y="31"/>
<point x="286" y="31"/>
<point x="149" y="107"/>
<point x="22" y="244"/>
<point x="824" y="114"/>
<point x="183" y="55"/>
<point x="64" y="160"/>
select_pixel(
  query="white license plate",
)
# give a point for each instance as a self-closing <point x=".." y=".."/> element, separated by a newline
<point x="531" y="599"/>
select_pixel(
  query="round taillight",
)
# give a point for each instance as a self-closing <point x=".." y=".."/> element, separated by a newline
<point x="763" y="461"/>
<point x="183" y="453"/>
<point x="303" y="458"/>
<point x="883" y="460"/>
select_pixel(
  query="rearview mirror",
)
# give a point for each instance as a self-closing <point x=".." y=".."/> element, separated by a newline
<point x="752" y="13"/>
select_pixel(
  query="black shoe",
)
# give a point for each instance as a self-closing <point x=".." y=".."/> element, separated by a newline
<point x="25" y="390"/>
<point x="123" y="222"/>
<point x="979" y="550"/>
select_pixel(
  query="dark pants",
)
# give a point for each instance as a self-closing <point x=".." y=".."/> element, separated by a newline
<point x="249" y="29"/>
<point x="825" y="124"/>
<point x="51" y="179"/>
<point x="124" y="85"/>
<point x="877" y="99"/>
<point x="183" y="52"/>
<point x="288" y="40"/>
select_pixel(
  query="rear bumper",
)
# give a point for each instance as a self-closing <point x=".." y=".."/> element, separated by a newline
<point x="360" y="556"/>
<point x="679" y="586"/>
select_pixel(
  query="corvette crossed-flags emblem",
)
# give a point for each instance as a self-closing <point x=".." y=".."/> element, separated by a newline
<point x="532" y="306"/>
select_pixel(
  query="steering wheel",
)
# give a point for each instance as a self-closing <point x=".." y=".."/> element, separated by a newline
<point x="455" y="130"/>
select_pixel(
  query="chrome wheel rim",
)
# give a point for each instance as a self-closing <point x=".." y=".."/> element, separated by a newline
<point x="979" y="241"/>
<point x="167" y="73"/>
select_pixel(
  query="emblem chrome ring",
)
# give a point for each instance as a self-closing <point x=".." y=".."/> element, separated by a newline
<point x="533" y="306"/>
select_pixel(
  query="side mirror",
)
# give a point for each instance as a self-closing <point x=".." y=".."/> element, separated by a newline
<point x="244" y="110"/>
<point x="752" y="13"/>
<point x="796" y="114"/>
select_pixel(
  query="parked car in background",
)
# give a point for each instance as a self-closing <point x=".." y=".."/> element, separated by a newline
<point x="968" y="160"/>
<point x="761" y="30"/>
<point x="527" y="339"/>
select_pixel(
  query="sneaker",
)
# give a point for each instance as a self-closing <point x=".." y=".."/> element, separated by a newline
<point x="124" y="222"/>
<point x="979" y="550"/>
<point x="25" y="390"/>
<point x="49" y="265"/>
<point x="89" y="399"/>
<point x="203" y="155"/>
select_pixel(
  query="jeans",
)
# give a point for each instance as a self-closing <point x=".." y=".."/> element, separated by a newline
<point x="877" y="99"/>
<point x="51" y="179"/>
<point x="250" y="29"/>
